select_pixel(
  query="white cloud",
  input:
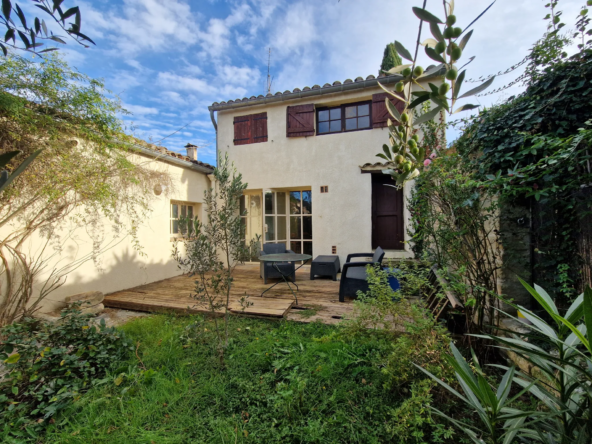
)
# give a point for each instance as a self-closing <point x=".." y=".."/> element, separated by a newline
<point x="138" y="110"/>
<point x="182" y="83"/>
<point x="145" y="25"/>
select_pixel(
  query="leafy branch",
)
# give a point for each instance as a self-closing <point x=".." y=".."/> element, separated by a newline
<point x="29" y="35"/>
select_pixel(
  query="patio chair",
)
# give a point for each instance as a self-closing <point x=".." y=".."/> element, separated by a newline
<point x="353" y="274"/>
<point x="268" y="270"/>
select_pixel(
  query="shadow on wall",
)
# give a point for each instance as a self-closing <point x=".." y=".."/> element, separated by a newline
<point x="125" y="270"/>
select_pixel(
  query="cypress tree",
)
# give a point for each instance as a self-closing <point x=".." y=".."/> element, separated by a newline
<point x="390" y="59"/>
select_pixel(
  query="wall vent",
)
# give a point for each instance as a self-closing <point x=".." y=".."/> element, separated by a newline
<point x="324" y="188"/>
<point x="333" y="249"/>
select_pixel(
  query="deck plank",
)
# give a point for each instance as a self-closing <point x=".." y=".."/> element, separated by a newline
<point x="173" y="295"/>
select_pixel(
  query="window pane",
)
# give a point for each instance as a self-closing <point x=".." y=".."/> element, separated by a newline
<point x="351" y="124"/>
<point x="323" y="127"/>
<point x="350" y="111"/>
<point x="295" y="202"/>
<point x="281" y="228"/>
<point x="243" y="204"/>
<point x="174" y="211"/>
<point x="307" y="202"/>
<point x="270" y="233"/>
<point x="269" y="203"/>
<point x="296" y="247"/>
<point x="307" y="227"/>
<point x="255" y="205"/>
<point x="363" y="110"/>
<point x="307" y="248"/>
<point x="175" y="227"/>
<point x="323" y="115"/>
<point x="295" y="227"/>
<point x="364" y="122"/>
<point x="183" y="210"/>
<point x="335" y="113"/>
<point x="281" y="203"/>
<point x="335" y="126"/>
<point x="190" y="211"/>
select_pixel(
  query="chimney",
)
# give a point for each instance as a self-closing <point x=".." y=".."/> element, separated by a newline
<point x="191" y="151"/>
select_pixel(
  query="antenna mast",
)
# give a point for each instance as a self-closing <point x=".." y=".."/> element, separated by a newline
<point x="269" y="79"/>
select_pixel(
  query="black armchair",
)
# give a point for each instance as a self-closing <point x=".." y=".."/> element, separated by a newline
<point x="353" y="274"/>
<point x="268" y="269"/>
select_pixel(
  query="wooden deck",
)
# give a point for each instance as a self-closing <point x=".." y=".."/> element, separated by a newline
<point x="317" y="300"/>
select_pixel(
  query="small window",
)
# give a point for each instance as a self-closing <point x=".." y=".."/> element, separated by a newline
<point x="324" y="188"/>
<point x="351" y="117"/>
<point x="182" y="217"/>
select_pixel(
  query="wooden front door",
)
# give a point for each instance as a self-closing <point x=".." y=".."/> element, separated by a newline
<point x="387" y="213"/>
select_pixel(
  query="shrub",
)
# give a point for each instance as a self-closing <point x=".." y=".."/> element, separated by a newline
<point x="49" y="365"/>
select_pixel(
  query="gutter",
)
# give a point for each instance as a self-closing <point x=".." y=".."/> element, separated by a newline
<point x="279" y="97"/>
<point x="169" y="159"/>
<point x="216" y="129"/>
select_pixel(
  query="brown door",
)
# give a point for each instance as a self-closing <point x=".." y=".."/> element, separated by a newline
<point x="387" y="213"/>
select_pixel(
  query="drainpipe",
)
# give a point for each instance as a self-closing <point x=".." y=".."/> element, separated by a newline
<point x="216" y="129"/>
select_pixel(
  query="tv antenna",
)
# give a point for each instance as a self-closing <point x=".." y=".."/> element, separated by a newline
<point x="269" y="78"/>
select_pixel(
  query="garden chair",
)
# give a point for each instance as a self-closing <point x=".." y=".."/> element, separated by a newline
<point x="268" y="270"/>
<point x="353" y="274"/>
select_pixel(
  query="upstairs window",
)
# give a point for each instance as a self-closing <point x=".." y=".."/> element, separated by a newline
<point x="251" y="128"/>
<point x="350" y="117"/>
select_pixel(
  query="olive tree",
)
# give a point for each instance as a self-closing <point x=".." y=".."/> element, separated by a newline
<point x="405" y="152"/>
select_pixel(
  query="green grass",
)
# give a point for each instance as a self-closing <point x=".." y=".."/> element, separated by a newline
<point x="283" y="382"/>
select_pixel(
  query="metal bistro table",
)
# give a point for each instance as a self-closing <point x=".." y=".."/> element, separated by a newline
<point x="285" y="257"/>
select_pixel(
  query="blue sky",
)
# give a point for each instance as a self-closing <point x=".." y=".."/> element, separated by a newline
<point x="168" y="60"/>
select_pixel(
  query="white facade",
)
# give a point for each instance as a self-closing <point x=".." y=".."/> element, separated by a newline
<point x="122" y="266"/>
<point x="341" y="217"/>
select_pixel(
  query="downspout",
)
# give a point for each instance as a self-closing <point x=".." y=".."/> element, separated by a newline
<point x="216" y="129"/>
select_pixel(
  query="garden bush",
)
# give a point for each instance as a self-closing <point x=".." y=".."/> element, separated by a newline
<point x="50" y="365"/>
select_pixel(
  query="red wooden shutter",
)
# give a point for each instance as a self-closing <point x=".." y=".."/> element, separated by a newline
<point x="242" y="130"/>
<point x="380" y="114"/>
<point x="300" y="121"/>
<point x="259" y="127"/>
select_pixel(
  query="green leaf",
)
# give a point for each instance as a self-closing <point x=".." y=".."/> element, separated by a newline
<point x="427" y="116"/>
<point x="426" y="16"/>
<point x="403" y="51"/>
<point x="576" y="331"/>
<point x="576" y="310"/>
<point x="70" y="12"/>
<point x="15" y="390"/>
<point x="419" y="100"/>
<point x="4" y="50"/>
<point x="21" y="16"/>
<point x="396" y="96"/>
<point x="458" y="84"/>
<point x="436" y="32"/>
<point x="549" y="308"/>
<point x="465" y="108"/>
<point x="6" y="157"/>
<point x="382" y="156"/>
<point x="13" y="359"/>
<point x="37" y="25"/>
<point x="24" y="39"/>
<point x="588" y="313"/>
<point x="398" y="69"/>
<point x="432" y="54"/>
<point x="118" y="380"/>
<point x="387" y="151"/>
<point x="57" y="3"/>
<point x="465" y="39"/>
<point x="6" y="9"/>
<point x="478" y="89"/>
<point x="9" y="35"/>
<point x="393" y="111"/>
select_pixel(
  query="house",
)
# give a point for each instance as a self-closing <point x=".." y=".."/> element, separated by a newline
<point x="121" y="266"/>
<point x="307" y="156"/>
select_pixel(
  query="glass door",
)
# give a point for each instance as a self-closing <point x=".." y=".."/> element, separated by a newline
<point x="252" y="220"/>
<point x="275" y="227"/>
<point x="301" y="222"/>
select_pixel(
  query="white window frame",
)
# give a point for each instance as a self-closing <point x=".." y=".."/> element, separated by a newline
<point x="181" y="207"/>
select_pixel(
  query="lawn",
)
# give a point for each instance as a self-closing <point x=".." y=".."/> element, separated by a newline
<point x="282" y="382"/>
